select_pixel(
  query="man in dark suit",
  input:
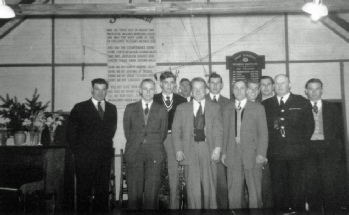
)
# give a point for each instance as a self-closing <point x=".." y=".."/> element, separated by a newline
<point x="170" y="100"/>
<point x="145" y="125"/>
<point x="291" y="124"/>
<point x="197" y="135"/>
<point x="90" y="131"/>
<point x="215" y="85"/>
<point x="267" y="87"/>
<point x="185" y="89"/>
<point x="245" y="147"/>
<point x="325" y="152"/>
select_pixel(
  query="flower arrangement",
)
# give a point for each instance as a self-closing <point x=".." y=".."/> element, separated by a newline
<point x="35" y="122"/>
<point x="53" y="120"/>
<point x="16" y="113"/>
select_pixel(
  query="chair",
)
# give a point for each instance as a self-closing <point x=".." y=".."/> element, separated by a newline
<point x="123" y="185"/>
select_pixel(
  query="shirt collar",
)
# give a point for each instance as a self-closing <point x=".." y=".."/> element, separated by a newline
<point x="144" y="104"/>
<point x="95" y="102"/>
<point x="284" y="98"/>
<point x="164" y="96"/>
<point x="196" y="105"/>
<point x="217" y="96"/>
<point x="242" y="104"/>
<point x="318" y="103"/>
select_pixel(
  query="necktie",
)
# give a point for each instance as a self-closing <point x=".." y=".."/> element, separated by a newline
<point x="199" y="119"/>
<point x="214" y="99"/>
<point x="238" y="124"/>
<point x="315" y="108"/>
<point x="146" y="110"/>
<point x="168" y="102"/>
<point x="282" y="101"/>
<point x="100" y="110"/>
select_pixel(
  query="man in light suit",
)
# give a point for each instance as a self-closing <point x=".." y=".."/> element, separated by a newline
<point x="245" y="147"/>
<point x="215" y="85"/>
<point x="170" y="101"/>
<point x="290" y="124"/>
<point x="197" y="138"/>
<point x="145" y="124"/>
<point x="90" y="131"/>
<point x="324" y="167"/>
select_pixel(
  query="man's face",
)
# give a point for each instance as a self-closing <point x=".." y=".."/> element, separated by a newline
<point x="215" y="85"/>
<point x="185" y="89"/>
<point x="282" y="85"/>
<point x="147" y="90"/>
<point x="168" y="85"/>
<point x="314" y="91"/>
<point x="239" y="90"/>
<point x="267" y="87"/>
<point x="99" y="91"/>
<point x="252" y="91"/>
<point x="198" y="90"/>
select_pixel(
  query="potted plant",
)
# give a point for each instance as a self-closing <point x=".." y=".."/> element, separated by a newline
<point x="17" y="112"/>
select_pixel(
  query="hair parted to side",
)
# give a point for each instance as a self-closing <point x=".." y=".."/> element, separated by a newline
<point x="197" y="79"/>
<point x="214" y="75"/>
<point x="266" y="77"/>
<point x="99" y="81"/>
<point x="314" y="80"/>
<point x="167" y="74"/>
<point x="240" y="80"/>
<point x="252" y="81"/>
<point x="148" y="80"/>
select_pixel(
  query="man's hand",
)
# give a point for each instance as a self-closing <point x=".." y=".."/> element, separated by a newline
<point x="215" y="154"/>
<point x="260" y="159"/>
<point x="223" y="158"/>
<point x="180" y="156"/>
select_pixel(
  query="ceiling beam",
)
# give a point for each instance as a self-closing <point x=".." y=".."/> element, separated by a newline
<point x="178" y="8"/>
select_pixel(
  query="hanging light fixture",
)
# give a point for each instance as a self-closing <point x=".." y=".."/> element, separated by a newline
<point x="5" y="11"/>
<point x="316" y="9"/>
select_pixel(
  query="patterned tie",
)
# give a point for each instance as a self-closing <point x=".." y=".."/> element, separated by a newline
<point x="199" y="119"/>
<point x="239" y="106"/>
<point x="146" y="110"/>
<point x="214" y="99"/>
<point x="100" y="110"/>
<point x="168" y="102"/>
<point x="315" y="108"/>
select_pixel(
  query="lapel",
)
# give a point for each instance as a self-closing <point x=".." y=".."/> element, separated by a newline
<point x="326" y="117"/>
<point x="246" y="114"/>
<point x="190" y="116"/>
<point x="139" y="111"/>
<point x="275" y="103"/>
<point x="208" y="112"/>
<point x="152" y="113"/>
<point x="94" y="110"/>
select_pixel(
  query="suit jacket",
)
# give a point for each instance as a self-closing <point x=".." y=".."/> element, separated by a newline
<point x="222" y="101"/>
<point x="154" y="132"/>
<point x="177" y="99"/>
<point x="253" y="133"/>
<point x="183" y="128"/>
<point x="299" y="127"/>
<point x="86" y="131"/>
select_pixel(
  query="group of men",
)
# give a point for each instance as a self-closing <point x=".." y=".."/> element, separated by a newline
<point x="226" y="147"/>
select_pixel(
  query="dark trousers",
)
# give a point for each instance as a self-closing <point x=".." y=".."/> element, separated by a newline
<point x="143" y="177"/>
<point x="324" y="177"/>
<point x="93" y="172"/>
<point x="222" y="187"/>
<point x="288" y="183"/>
<point x="267" y="194"/>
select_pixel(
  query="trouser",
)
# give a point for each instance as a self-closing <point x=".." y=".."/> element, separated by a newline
<point x="93" y="171"/>
<point x="288" y="183"/>
<point x="222" y="187"/>
<point x="201" y="178"/>
<point x="172" y="168"/>
<point x="324" y="178"/>
<point x="143" y="177"/>
<point x="267" y="192"/>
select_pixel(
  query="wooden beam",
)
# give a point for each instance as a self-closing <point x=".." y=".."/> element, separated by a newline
<point x="182" y="8"/>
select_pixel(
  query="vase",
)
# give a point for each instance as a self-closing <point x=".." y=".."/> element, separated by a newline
<point x="39" y="138"/>
<point x="19" y="138"/>
<point x="34" y="138"/>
